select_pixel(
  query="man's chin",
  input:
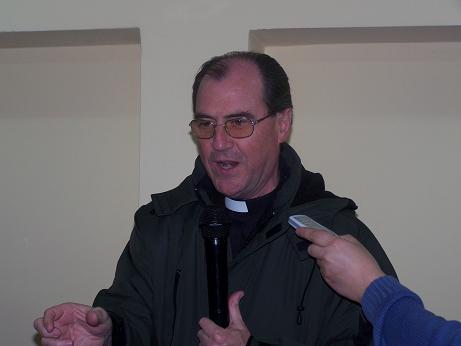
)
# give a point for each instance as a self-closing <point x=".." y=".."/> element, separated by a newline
<point x="227" y="189"/>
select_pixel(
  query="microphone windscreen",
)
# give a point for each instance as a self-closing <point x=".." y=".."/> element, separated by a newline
<point x="215" y="222"/>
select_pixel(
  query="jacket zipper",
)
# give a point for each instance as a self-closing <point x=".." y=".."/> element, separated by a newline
<point x="177" y="276"/>
<point x="300" y="308"/>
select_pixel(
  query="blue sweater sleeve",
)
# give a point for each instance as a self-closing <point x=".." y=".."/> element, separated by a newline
<point x="399" y="317"/>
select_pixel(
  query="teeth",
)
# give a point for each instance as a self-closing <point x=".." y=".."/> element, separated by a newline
<point x="225" y="164"/>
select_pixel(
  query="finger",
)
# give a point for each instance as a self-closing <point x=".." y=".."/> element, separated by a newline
<point x="350" y="238"/>
<point x="235" y="317"/>
<point x="316" y="251"/>
<point x="51" y="315"/>
<point x="208" y="326"/>
<point x="316" y="236"/>
<point x="203" y="338"/>
<point x="212" y="333"/>
<point x="56" y="342"/>
<point x="97" y="316"/>
<point x="40" y="328"/>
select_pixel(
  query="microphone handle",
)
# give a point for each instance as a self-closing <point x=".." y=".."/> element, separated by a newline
<point x="216" y="259"/>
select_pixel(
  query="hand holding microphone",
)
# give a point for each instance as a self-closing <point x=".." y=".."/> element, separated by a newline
<point x="228" y="327"/>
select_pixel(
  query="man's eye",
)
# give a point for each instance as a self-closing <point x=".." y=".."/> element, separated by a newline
<point x="205" y="124"/>
<point x="239" y="122"/>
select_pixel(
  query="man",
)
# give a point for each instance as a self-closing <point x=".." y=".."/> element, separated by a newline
<point x="242" y="119"/>
<point x="398" y="315"/>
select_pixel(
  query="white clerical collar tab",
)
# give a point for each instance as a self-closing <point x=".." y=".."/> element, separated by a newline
<point x="237" y="206"/>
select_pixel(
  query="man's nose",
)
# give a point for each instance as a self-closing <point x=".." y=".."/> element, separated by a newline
<point x="221" y="140"/>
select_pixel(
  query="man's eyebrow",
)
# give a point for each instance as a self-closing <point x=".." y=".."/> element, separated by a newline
<point x="228" y="116"/>
<point x="200" y="115"/>
<point x="240" y="114"/>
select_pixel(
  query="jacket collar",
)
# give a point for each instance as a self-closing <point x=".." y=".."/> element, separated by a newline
<point x="300" y="192"/>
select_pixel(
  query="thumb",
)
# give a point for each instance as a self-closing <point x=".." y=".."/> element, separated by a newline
<point x="235" y="317"/>
<point x="97" y="316"/>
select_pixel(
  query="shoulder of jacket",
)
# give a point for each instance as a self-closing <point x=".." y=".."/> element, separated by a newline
<point x="336" y="213"/>
<point x="169" y="202"/>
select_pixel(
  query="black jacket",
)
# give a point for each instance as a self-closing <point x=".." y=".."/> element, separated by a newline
<point x="159" y="292"/>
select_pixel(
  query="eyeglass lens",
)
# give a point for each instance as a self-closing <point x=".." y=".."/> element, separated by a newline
<point x="236" y="128"/>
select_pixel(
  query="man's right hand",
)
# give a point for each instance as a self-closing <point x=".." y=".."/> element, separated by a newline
<point x="74" y="324"/>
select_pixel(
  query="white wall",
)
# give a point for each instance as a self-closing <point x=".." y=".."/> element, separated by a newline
<point x="382" y="122"/>
<point x="178" y="35"/>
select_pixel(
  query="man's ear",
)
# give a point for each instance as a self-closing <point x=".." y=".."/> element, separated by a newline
<point x="284" y="121"/>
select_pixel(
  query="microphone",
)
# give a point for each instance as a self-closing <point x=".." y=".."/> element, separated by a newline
<point x="215" y="224"/>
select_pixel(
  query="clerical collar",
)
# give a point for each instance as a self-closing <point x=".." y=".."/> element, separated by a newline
<point x="237" y="206"/>
<point x="250" y="205"/>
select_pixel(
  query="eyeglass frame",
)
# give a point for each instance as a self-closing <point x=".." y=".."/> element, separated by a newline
<point x="253" y="122"/>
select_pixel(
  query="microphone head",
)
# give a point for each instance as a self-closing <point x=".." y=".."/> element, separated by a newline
<point x="215" y="222"/>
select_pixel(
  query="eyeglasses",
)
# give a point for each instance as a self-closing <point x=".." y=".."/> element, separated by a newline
<point x="239" y="127"/>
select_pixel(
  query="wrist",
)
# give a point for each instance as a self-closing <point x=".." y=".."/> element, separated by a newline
<point x="373" y="276"/>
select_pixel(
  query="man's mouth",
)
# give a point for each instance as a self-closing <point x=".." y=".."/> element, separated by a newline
<point x="226" y="164"/>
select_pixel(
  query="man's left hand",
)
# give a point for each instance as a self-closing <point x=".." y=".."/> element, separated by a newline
<point x="236" y="334"/>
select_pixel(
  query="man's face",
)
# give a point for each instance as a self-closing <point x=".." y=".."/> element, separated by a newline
<point x="241" y="168"/>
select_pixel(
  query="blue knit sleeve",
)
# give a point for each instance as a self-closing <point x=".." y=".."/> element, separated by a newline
<point x="399" y="317"/>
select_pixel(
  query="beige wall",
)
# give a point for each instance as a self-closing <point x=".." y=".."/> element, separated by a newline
<point x="69" y="181"/>
<point x="176" y="37"/>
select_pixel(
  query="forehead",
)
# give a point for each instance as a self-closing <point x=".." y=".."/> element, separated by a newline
<point x="239" y="91"/>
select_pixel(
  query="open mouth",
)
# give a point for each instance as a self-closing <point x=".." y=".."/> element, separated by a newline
<point x="226" y="164"/>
